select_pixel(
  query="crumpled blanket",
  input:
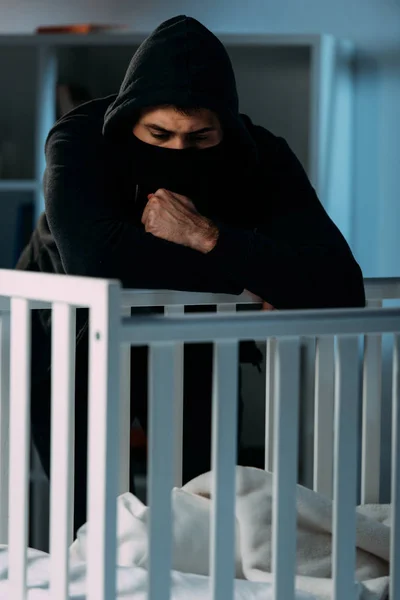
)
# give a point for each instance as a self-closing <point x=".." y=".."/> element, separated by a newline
<point x="191" y="510"/>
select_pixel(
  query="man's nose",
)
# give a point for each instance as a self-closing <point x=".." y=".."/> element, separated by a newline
<point x="179" y="143"/>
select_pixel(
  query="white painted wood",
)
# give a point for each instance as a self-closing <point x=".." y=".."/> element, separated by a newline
<point x="376" y="289"/>
<point x="395" y="499"/>
<point x="307" y="408"/>
<point x="46" y="288"/>
<point x="103" y="447"/>
<point x="171" y="298"/>
<point x="162" y="388"/>
<point x="371" y="417"/>
<point x="125" y="415"/>
<point x="324" y="416"/>
<point x="19" y="446"/>
<point x="322" y="57"/>
<point x="337" y="193"/>
<point x="62" y="447"/>
<point x="224" y="447"/>
<point x="226" y="308"/>
<point x="381" y="288"/>
<point x="133" y="39"/>
<point x="345" y="469"/>
<point x="202" y="328"/>
<point x="46" y="115"/>
<point x="4" y="423"/>
<point x="285" y="468"/>
<point x="332" y="98"/>
<point x="270" y="399"/>
<point x="18" y="185"/>
<point x="178" y="310"/>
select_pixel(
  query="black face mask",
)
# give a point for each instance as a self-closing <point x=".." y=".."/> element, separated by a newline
<point x="198" y="174"/>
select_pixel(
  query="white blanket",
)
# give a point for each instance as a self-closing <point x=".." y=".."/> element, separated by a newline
<point x="191" y="536"/>
<point x="131" y="582"/>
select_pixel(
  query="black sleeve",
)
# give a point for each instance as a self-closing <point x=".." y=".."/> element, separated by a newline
<point x="297" y="258"/>
<point x="92" y="237"/>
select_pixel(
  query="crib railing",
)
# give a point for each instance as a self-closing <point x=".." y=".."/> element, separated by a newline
<point x="317" y="457"/>
<point x="287" y="329"/>
<point x="174" y="304"/>
<point x="321" y="458"/>
<point x="108" y="333"/>
<point x="104" y="301"/>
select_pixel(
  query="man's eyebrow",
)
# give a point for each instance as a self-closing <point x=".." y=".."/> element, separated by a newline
<point x="163" y="130"/>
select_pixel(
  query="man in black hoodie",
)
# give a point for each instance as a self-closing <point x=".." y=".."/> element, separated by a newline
<point x="219" y="210"/>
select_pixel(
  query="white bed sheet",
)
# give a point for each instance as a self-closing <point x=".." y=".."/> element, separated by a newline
<point x="131" y="582"/>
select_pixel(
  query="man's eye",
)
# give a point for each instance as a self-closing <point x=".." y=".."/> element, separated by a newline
<point x="165" y="136"/>
<point x="160" y="136"/>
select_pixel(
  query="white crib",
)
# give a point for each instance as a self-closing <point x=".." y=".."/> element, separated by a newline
<point x="337" y="357"/>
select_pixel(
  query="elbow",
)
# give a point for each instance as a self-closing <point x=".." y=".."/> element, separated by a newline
<point x="82" y="266"/>
<point x="353" y="285"/>
<point x="339" y="285"/>
<point x="344" y="286"/>
<point x="332" y="283"/>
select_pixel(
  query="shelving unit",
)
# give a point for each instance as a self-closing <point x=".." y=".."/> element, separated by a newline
<point x="18" y="185"/>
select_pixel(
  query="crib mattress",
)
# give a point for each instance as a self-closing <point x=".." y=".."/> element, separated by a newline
<point x="131" y="582"/>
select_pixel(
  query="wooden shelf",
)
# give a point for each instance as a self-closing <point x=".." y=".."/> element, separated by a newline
<point x="136" y="38"/>
<point x="18" y="185"/>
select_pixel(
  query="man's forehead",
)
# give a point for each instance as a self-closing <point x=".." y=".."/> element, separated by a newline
<point x="168" y="117"/>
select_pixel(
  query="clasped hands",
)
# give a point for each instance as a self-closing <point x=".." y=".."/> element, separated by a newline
<point x="174" y="218"/>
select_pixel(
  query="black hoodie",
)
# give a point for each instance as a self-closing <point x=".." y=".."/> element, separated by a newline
<point x="276" y="240"/>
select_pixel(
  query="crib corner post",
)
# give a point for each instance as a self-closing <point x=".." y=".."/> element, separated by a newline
<point x="103" y="447"/>
<point x="4" y="422"/>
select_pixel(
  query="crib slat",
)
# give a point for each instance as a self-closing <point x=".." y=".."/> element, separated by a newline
<point x="176" y="311"/>
<point x="224" y="445"/>
<point x="269" y="404"/>
<point x="125" y="415"/>
<point x="287" y="378"/>
<point x="226" y="308"/>
<point x="104" y="396"/>
<point x="307" y="410"/>
<point x="4" y="422"/>
<point x="19" y="445"/>
<point x="323" y="416"/>
<point x="395" y="529"/>
<point x="161" y="468"/>
<point x="345" y="469"/>
<point x="62" y="445"/>
<point x="371" y="422"/>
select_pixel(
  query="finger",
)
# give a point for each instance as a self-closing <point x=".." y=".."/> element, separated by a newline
<point x="181" y="197"/>
<point x="184" y="200"/>
<point x="173" y="196"/>
<point x="149" y="221"/>
<point x="145" y="214"/>
<point x="163" y="193"/>
<point x="267" y="306"/>
<point x="150" y="204"/>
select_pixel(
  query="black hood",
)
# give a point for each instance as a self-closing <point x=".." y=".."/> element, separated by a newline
<point x="181" y="63"/>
